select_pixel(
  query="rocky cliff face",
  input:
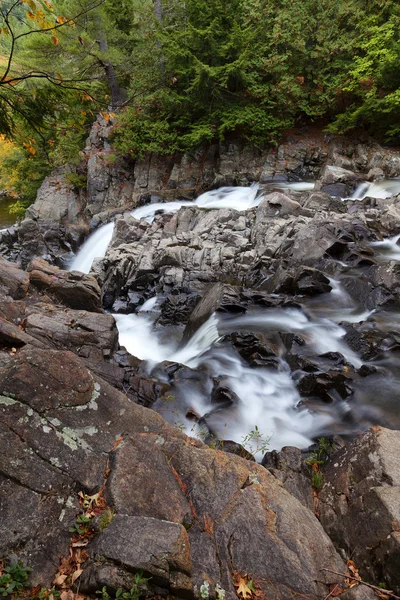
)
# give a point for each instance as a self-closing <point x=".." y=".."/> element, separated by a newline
<point x="62" y="215"/>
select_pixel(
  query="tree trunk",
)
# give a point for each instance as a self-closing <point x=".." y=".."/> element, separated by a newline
<point x="158" y="11"/>
<point x="115" y="90"/>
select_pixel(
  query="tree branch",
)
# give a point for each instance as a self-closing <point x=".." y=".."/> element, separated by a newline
<point x="66" y="22"/>
<point x="373" y="587"/>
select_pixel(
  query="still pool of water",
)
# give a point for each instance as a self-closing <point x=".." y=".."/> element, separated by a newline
<point x="6" y="220"/>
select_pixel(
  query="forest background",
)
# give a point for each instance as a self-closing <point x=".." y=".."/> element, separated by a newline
<point x="174" y="75"/>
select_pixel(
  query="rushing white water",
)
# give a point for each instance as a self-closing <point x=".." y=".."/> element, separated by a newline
<point x="379" y="189"/>
<point x="94" y="247"/>
<point x="387" y="249"/>
<point x="296" y="186"/>
<point x="266" y="398"/>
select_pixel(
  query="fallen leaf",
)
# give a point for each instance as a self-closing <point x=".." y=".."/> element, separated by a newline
<point x="59" y="579"/>
<point x="75" y="575"/>
<point x="243" y="590"/>
<point x="80" y="543"/>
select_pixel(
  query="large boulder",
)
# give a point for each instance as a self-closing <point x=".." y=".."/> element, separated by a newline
<point x="188" y="516"/>
<point x="360" y="504"/>
<point x="74" y="289"/>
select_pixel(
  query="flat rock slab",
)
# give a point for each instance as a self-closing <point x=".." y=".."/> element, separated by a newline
<point x="90" y="335"/>
<point x="158" y="548"/>
<point x="74" y="289"/>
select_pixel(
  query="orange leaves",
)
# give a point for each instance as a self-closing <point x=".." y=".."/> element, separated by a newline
<point x="30" y="146"/>
<point x="55" y="40"/>
<point x="354" y="573"/>
<point x="108" y="115"/>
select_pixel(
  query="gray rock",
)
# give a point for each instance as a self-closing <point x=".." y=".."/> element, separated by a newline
<point x="360" y="507"/>
<point x="159" y="548"/>
<point x="13" y="281"/>
<point x="74" y="289"/>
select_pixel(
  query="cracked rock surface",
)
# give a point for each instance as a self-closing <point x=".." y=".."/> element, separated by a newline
<point x="185" y="514"/>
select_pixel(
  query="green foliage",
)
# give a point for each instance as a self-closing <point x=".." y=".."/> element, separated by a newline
<point x="320" y="455"/>
<point x="14" y="579"/>
<point x="374" y="82"/>
<point x="81" y="525"/>
<point x="317" y="480"/>
<point x="138" y="589"/>
<point x="76" y="180"/>
<point x="17" y="209"/>
<point x="48" y="594"/>
<point x="106" y="518"/>
<point x="255" y="442"/>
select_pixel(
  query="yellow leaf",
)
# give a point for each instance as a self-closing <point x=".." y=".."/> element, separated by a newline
<point x="31" y="4"/>
<point x="30" y="15"/>
<point x="243" y="590"/>
<point x="76" y="574"/>
<point x="55" y="40"/>
<point x="49" y="6"/>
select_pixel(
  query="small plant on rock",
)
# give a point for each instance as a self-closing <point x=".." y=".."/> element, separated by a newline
<point x="81" y="525"/>
<point x="13" y="579"/>
<point x="318" y="457"/>
<point x="106" y="518"/>
<point x="138" y="589"/>
<point x="255" y="442"/>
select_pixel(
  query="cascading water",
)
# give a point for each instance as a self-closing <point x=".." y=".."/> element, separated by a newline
<point x="262" y="397"/>
<point x="379" y="189"/>
<point x="94" y="247"/>
<point x="235" y="198"/>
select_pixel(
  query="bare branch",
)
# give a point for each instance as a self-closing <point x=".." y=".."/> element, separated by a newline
<point x="64" y="23"/>
<point x="373" y="587"/>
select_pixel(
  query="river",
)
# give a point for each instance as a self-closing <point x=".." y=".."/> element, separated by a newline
<point x="6" y="220"/>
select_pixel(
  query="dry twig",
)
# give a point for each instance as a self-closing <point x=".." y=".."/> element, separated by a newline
<point x="361" y="582"/>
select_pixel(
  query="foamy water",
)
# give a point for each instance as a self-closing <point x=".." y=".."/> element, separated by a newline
<point x="264" y="397"/>
<point x="379" y="189"/>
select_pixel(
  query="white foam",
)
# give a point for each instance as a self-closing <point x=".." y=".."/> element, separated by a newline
<point x="94" y="247"/>
<point x="379" y="189"/>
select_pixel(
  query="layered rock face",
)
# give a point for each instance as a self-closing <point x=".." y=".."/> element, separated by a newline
<point x="64" y="214"/>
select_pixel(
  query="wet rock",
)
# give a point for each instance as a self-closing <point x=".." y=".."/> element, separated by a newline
<point x="207" y="305"/>
<point x="258" y="349"/>
<point x="74" y="289"/>
<point x="90" y="335"/>
<point x="311" y="281"/>
<point x="177" y="308"/>
<point x="359" y="504"/>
